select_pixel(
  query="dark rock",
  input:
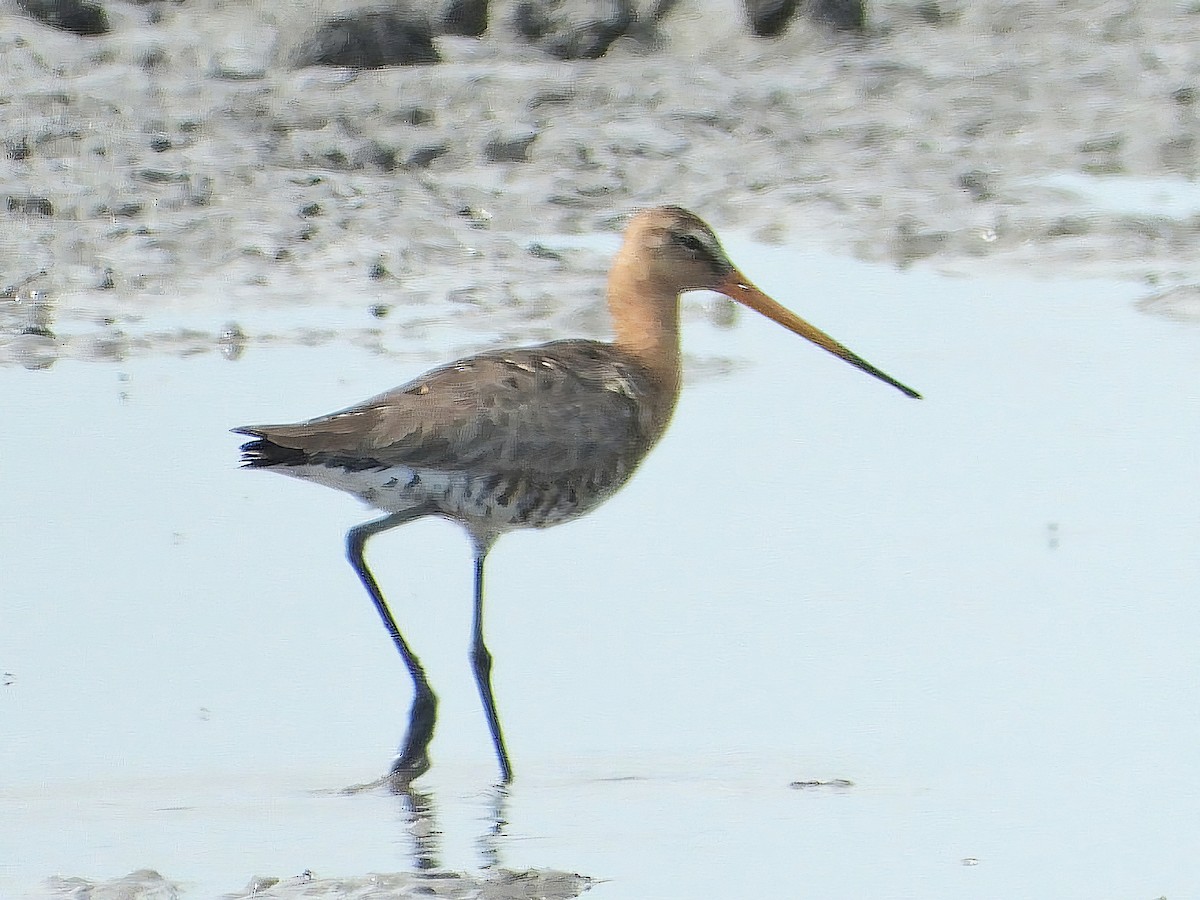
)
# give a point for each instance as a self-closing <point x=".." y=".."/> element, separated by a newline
<point x="844" y="15"/>
<point x="661" y="9"/>
<point x="130" y="209"/>
<point x="510" y="149"/>
<point x="465" y="18"/>
<point x="1184" y="96"/>
<point x="574" y="29"/>
<point x="476" y="218"/>
<point x="381" y="156"/>
<point x="17" y="150"/>
<point x="31" y="205"/>
<point x="370" y="39"/>
<point x="336" y="158"/>
<point x="412" y="115"/>
<point x="931" y="12"/>
<point x="531" y="22"/>
<point x="80" y="17"/>
<point x="159" y="176"/>
<point x="1102" y="155"/>
<point x="1068" y="226"/>
<point x="770" y="18"/>
<point x="551" y="98"/>
<point x="153" y="58"/>
<point x="911" y="242"/>
<point x="1178" y="154"/>
<point x="423" y="156"/>
<point x="976" y="183"/>
<point x="200" y="191"/>
<point x="541" y="251"/>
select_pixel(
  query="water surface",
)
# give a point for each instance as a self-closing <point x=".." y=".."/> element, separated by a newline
<point x="977" y="608"/>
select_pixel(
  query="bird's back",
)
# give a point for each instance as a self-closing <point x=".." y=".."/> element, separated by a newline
<point x="510" y="438"/>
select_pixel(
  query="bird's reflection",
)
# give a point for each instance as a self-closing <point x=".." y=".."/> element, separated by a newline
<point x="491" y="839"/>
<point x="419" y="818"/>
<point x="422" y="828"/>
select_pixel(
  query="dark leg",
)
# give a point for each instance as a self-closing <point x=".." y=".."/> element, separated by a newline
<point x="413" y="759"/>
<point x="481" y="662"/>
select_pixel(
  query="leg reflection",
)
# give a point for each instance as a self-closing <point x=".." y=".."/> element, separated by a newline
<point x="419" y="818"/>
<point x="421" y="825"/>
<point x="493" y="836"/>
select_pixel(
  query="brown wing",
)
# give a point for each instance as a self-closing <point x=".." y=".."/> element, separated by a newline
<point x="562" y="407"/>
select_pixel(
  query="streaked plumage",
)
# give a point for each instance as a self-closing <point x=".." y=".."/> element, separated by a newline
<point x="513" y="438"/>
<point x="523" y="438"/>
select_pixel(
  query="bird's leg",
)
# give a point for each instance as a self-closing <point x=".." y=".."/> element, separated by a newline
<point x="481" y="662"/>
<point x="413" y="759"/>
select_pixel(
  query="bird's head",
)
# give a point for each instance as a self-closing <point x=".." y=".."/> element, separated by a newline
<point x="668" y="251"/>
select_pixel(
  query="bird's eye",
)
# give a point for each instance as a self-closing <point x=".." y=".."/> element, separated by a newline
<point x="691" y="243"/>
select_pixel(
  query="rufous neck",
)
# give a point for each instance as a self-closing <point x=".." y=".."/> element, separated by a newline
<point x="645" y="317"/>
<point x="645" y="311"/>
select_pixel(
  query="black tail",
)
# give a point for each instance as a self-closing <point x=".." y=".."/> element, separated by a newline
<point x="264" y="453"/>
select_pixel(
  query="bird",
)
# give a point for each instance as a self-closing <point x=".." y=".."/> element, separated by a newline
<point x="529" y="437"/>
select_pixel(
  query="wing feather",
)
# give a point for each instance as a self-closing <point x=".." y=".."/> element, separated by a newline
<point x="554" y="409"/>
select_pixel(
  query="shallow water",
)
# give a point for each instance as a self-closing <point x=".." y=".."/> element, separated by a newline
<point x="977" y="608"/>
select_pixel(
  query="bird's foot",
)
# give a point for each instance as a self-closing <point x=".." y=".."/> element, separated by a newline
<point x="398" y="780"/>
<point x="405" y="770"/>
<point x="366" y="787"/>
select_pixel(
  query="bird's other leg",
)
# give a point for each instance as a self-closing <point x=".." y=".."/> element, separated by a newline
<point x="412" y="759"/>
<point x="481" y="662"/>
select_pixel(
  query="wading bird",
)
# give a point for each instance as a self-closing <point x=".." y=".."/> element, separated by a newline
<point x="522" y="438"/>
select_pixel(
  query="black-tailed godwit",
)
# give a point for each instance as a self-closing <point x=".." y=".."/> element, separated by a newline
<point x="523" y="438"/>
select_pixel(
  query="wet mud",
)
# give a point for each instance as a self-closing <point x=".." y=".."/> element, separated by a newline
<point x="183" y="189"/>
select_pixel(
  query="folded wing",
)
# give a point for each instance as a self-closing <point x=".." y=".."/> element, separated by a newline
<point x="552" y="410"/>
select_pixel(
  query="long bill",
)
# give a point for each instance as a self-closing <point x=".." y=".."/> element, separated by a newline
<point x="737" y="287"/>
